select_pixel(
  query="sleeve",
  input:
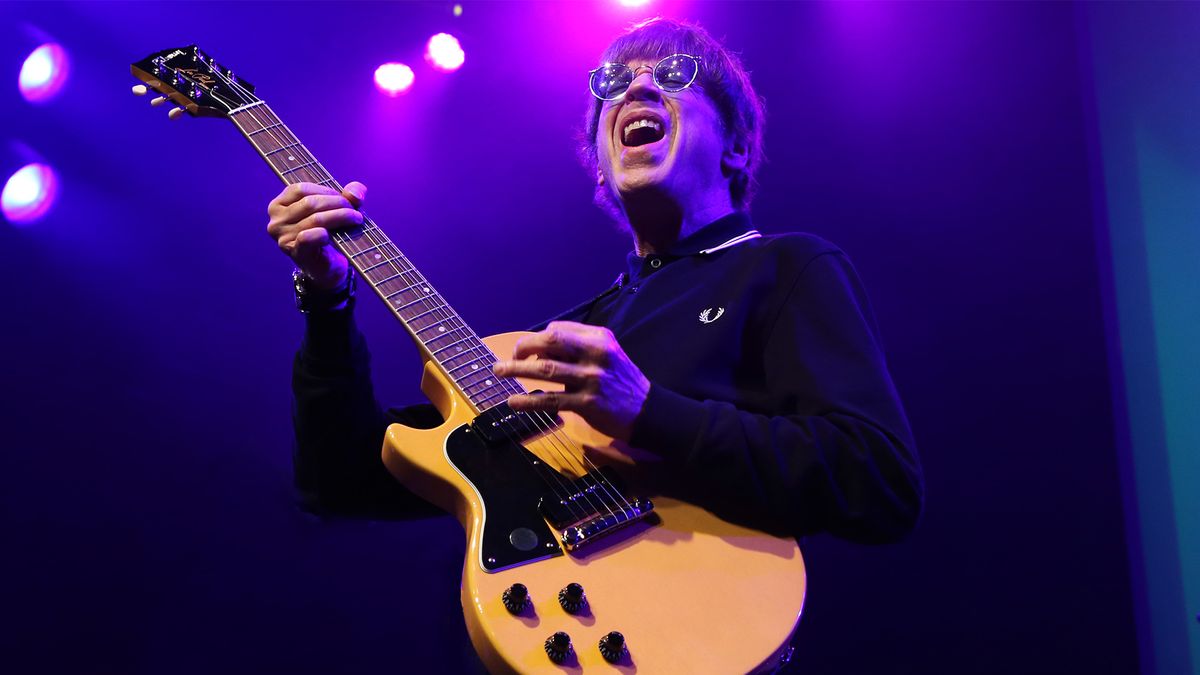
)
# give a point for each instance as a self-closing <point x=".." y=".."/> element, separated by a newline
<point x="836" y="454"/>
<point x="339" y="426"/>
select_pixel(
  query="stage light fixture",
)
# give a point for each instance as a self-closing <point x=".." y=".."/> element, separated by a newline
<point x="44" y="73"/>
<point x="394" y="79"/>
<point x="444" y="52"/>
<point x="28" y="194"/>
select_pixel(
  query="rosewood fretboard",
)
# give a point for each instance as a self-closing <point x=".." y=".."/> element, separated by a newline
<point x="441" y="333"/>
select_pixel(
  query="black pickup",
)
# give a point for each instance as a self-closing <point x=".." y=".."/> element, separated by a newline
<point x="501" y="424"/>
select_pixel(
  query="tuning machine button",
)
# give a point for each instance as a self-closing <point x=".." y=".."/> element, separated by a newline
<point x="139" y="90"/>
<point x="612" y="647"/>
<point x="558" y="647"/>
<point x="176" y="113"/>
<point x="515" y="598"/>
<point x="572" y="598"/>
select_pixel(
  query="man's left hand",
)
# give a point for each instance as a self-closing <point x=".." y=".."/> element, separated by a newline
<point x="602" y="384"/>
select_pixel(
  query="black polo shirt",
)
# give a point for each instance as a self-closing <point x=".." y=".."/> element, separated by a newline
<point x="769" y="391"/>
<point x="769" y="387"/>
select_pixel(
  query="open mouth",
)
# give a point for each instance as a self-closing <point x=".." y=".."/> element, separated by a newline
<point x="642" y="131"/>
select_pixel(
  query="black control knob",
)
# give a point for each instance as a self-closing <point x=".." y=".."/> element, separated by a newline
<point x="572" y="598"/>
<point x="612" y="647"/>
<point x="558" y="647"/>
<point x="516" y="598"/>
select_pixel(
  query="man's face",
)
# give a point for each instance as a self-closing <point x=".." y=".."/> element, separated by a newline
<point x="652" y="142"/>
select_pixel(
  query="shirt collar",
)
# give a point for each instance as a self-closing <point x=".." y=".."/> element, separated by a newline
<point x="714" y="235"/>
<point x="722" y="233"/>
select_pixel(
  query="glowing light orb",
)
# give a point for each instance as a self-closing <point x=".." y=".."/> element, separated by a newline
<point x="633" y="3"/>
<point x="394" y="79"/>
<point x="444" y="53"/>
<point x="44" y="73"/>
<point x="457" y="10"/>
<point x="28" y="194"/>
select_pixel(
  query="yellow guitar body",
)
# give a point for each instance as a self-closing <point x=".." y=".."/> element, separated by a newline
<point x="690" y="592"/>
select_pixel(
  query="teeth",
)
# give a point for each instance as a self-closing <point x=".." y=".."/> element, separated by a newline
<point x="639" y="124"/>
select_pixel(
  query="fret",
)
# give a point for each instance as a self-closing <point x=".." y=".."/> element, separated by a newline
<point x="302" y="166"/>
<point x="266" y="128"/>
<point x="435" y="353"/>
<point x="423" y="298"/>
<point x="378" y="264"/>
<point x="430" y="311"/>
<point x="384" y="281"/>
<point x="455" y="347"/>
<point x="286" y="147"/>
<point x="368" y="250"/>
<point x="485" y="399"/>
<point x="443" y="335"/>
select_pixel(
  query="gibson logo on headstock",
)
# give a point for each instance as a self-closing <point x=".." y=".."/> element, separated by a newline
<point x="203" y="79"/>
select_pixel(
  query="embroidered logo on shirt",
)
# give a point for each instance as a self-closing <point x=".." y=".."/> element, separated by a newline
<point x="708" y="317"/>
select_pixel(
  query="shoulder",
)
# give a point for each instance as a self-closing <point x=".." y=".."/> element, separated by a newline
<point x="792" y="250"/>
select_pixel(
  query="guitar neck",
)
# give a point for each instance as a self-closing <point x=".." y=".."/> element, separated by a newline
<point x="439" y="331"/>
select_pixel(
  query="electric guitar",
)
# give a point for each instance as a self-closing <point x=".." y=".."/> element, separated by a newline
<point x="579" y="557"/>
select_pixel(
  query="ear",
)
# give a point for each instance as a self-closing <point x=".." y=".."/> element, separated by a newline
<point x="736" y="155"/>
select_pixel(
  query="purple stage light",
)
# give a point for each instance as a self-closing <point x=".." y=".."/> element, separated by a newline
<point x="28" y="194"/>
<point x="393" y="79"/>
<point x="633" y="3"/>
<point x="444" y="53"/>
<point x="44" y="73"/>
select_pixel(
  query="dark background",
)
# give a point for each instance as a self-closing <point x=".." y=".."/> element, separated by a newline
<point x="148" y="331"/>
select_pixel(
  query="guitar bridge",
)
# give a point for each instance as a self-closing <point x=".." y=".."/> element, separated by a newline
<point x="589" y="530"/>
<point x="593" y="506"/>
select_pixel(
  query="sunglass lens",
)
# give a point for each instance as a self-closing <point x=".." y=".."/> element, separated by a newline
<point x="611" y="81"/>
<point x="675" y="72"/>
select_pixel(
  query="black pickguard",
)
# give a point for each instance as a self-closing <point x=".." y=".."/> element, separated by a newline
<point x="510" y="487"/>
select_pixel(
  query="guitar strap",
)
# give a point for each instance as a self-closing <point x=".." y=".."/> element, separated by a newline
<point x="580" y="311"/>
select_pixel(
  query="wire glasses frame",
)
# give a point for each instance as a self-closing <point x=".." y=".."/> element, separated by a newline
<point x="673" y="73"/>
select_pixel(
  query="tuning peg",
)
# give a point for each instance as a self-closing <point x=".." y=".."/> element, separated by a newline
<point x="176" y="113"/>
<point x="139" y="90"/>
<point x="158" y="101"/>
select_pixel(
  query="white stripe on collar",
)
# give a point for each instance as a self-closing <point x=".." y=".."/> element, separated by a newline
<point x="745" y="236"/>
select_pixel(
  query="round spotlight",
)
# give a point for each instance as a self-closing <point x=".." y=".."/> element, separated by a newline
<point x="633" y="3"/>
<point x="44" y="73"/>
<point x="28" y="194"/>
<point x="393" y="79"/>
<point x="444" y="53"/>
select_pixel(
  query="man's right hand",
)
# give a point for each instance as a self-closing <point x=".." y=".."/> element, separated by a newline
<point x="301" y="219"/>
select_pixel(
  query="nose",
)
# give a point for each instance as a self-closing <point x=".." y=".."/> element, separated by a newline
<point x="642" y="88"/>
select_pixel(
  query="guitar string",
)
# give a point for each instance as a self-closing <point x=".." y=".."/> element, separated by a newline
<point x="413" y="278"/>
<point x="547" y="423"/>
<point x="442" y="312"/>
<point x="349" y="245"/>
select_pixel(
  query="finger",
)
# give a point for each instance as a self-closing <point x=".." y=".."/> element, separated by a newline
<point x="548" y="370"/>
<point x="311" y="204"/>
<point x="561" y="343"/>
<point x="332" y="220"/>
<point x="356" y="193"/>
<point x="297" y="191"/>
<point x="550" y="401"/>
<point x="308" y="243"/>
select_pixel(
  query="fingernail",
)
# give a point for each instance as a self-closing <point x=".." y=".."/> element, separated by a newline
<point x="500" y="367"/>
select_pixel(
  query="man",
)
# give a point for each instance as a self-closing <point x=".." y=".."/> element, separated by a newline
<point x="749" y="362"/>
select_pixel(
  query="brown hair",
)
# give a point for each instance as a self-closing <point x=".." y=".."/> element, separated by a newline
<point x="722" y="78"/>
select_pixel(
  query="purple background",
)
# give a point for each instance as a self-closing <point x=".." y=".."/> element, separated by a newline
<point x="148" y="328"/>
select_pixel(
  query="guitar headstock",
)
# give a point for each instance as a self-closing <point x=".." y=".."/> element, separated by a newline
<point x="191" y="79"/>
